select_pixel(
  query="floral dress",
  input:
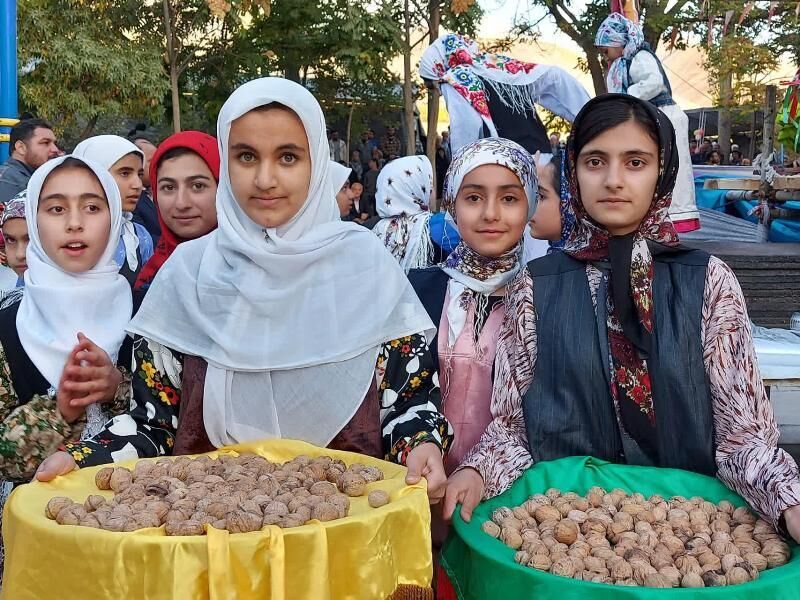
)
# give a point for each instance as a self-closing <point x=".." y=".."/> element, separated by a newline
<point x="407" y="381"/>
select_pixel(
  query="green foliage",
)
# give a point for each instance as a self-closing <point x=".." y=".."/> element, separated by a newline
<point x="84" y="64"/>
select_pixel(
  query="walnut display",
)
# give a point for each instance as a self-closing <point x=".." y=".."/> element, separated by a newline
<point x="628" y="539"/>
<point x="240" y="494"/>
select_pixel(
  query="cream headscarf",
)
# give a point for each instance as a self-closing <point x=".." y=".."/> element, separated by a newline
<point x="278" y="313"/>
<point x="105" y="150"/>
<point x="58" y="304"/>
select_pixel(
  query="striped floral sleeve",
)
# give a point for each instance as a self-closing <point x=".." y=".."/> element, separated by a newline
<point x="748" y="458"/>
<point x="501" y="455"/>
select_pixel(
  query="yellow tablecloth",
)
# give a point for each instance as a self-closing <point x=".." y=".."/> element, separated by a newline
<point x="366" y="555"/>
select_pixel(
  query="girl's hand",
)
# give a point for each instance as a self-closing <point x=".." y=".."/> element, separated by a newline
<point x="54" y="465"/>
<point x="89" y="376"/>
<point x="464" y="486"/>
<point x="426" y="461"/>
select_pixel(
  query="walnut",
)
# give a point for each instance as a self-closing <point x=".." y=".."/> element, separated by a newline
<point x="289" y="521"/>
<point x="757" y="560"/>
<point x="671" y="573"/>
<point x="743" y="515"/>
<point x="522" y="557"/>
<point x="323" y="488"/>
<point x="566" y="532"/>
<point x="324" y="511"/>
<point x="120" y="479"/>
<point x="621" y="569"/>
<point x="656" y="580"/>
<point x="304" y="513"/>
<point x="56" y="505"/>
<point x="341" y="502"/>
<point x="378" y="498"/>
<point x="540" y="562"/>
<point x="93" y="502"/>
<point x="275" y="507"/>
<point x="546" y="513"/>
<point x="511" y="538"/>
<point x="692" y="580"/>
<point x="102" y="478"/>
<point x="90" y="521"/>
<point x="187" y="527"/>
<point x="776" y="553"/>
<point x="729" y="561"/>
<point x="148" y="518"/>
<point x="714" y="578"/>
<point x="115" y="522"/>
<point x="240" y="521"/>
<point x="564" y="567"/>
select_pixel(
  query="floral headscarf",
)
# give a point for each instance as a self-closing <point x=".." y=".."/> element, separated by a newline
<point x="630" y="301"/>
<point x="470" y="272"/>
<point x="401" y="199"/>
<point x="14" y="208"/>
<point x="457" y="63"/>
<point x="619" y="32"/>
<point x="565" y="206"/>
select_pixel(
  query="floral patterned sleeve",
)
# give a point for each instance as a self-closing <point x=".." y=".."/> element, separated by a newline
<point x="148" y="427"/>
<point x="28" y="433"/>
<point x="410" y="398"/>
<point x="501" y="454"/>
<point x="748" y="458"/>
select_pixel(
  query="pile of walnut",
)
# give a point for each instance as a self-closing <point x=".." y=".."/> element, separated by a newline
<point x="240" y="494"/>
<point x="631" y="540"/>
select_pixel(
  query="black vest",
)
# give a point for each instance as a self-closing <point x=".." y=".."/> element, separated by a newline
<point x="568" y="407"/>
<point x="524" y="127"/>
<point x="430" y="284"/>
<point x="664" y="98"/>
<point x="27" y="379"/>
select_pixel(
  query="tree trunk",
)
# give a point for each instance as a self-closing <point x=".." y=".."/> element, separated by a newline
<point x="87" y="131"/>
<point x="724" y="116"/>
<point x="595" y="69"/>
<point x="408" y="99"/>
<point x="173" y="69"/>
<point x="433" y="104"/>
<point x="350" y="127"/>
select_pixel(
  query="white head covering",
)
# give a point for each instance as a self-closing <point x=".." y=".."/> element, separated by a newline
<point x="278" y="313"/>
<point x="105" y="150"/>
<point x="401" y="198"/>
<point x="58" y="304"/>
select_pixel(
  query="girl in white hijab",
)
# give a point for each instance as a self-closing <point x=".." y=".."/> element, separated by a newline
<point x="125" y="162"/>
<point x="60" y="343"/>
<point x="258" y="328"/>
<point x="401" y="199"/>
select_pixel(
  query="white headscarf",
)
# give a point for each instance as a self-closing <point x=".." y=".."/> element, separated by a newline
<point x="105" y="150"/>
<point x="278" y="313"/>
<point x="401" y="199"/>
<point x="58" y="304"/>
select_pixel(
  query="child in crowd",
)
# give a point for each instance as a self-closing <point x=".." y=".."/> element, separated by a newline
<point x="15" y="235"/>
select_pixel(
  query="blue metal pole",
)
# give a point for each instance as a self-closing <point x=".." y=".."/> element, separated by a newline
<point x="8" y="69"/>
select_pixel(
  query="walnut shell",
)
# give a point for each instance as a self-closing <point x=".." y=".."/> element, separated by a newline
<point x="621" y="569"/>
<point x="540" y="562"/>
<point x="120" y="479"/>
<point x="324" y="511"/>
<point x="90" y="521"/>
<point x="275" y="507"/>
<point x="564" y="567"/>
<point x="566" y="532"/>
<point x="56" y="505"/>
<point x="743" y="515"/>
<point x="714" y="578"/>
<point x="241" y="521"/>
<point x="546" y="513"/>
<point x="270" y="519"/>
<point x="102" y="478"/>
<point x="692" y="580"/>
<point x="656" y="580"/>
<point x="188" y="527"/>
<point x="323" y="488"/>
<point x="378" y="498"/>
<point x="757" y="560"/>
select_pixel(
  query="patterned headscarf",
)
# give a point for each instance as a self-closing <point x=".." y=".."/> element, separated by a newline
<point x="14" y="208"/>
<point x="470" y="272"/>
<point x="565" y="207"/>
<point x="630" y="301"/>
<point x="401" y="199"/>
<point x="619" y="32"/>
<point x="458" y="64"/>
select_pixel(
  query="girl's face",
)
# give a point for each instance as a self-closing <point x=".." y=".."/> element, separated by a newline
<point x="187" y="194"/>
<point x="344" y="199"/>
<point x="610" y="54"/>
<point x="357" y="189"/>
<point x="617" y="175"/>
<point x="128" y="172"/>
<point x="269" y="165"/>
<point x="546" y="221"/>
<point x="15" y="232"/>
<point x="491" y="210"/>
<point x="73" y="218"/>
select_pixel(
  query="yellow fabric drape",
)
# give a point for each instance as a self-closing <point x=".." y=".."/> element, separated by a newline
<point x="368" y="555"/>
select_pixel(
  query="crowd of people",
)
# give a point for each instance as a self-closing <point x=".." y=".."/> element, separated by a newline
<point x="181" y="297"/>
<point x="707" y="152"/>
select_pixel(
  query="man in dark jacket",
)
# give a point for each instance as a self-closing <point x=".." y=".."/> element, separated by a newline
<point x="32" y="144"/>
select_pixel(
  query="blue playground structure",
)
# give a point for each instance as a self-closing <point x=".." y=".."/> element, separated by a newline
<point x="8" y="73"/>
